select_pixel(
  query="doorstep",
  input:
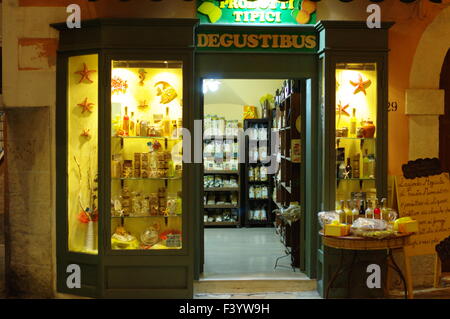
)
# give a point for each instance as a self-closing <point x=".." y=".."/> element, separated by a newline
<point x="428" y="293"/>
<point x="230" y="286"/>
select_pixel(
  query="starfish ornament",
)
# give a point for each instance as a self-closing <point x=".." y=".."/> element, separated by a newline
<point x="341" y="110"/>
<point x="86" y="106"/>
<point x="338" y="85"/>
<point x="85" y="74"/>
<point x="86" y="133"/>
<point x="360" y="85"/>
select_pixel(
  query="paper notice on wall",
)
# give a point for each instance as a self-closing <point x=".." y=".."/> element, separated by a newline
<point x="427" y="200"/>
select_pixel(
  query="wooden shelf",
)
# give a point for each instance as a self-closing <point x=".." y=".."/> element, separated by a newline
<point x="220" y="206"/>
<point x="221" y="189"/>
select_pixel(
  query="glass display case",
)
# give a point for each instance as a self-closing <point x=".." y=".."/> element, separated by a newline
<point x="146" y="150"/>
<point x="122" y="122"/>
<point x="356" y="115"/>
<point x="82" y="157"/>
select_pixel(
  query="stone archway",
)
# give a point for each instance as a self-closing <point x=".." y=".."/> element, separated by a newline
<point x="424" y="99"/>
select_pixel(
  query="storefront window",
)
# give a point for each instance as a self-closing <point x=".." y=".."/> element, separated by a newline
<point x="82" y="140"/>
<point x="146" y="149"/>
<point x="356" y="113"/>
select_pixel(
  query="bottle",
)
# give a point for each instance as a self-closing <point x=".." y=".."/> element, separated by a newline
<point x="348" y="169"/>
<point x="384" y="210"/>
<point x="371" y="166"/>
<point x="376" y="210"/>
<point x="353" y="124"/>
<point x="348" y="213"/>
<point x="126" y="122"/>
<point x="174" y="129"/>
<point x="166" y="123"/>
<point x="341" y="171"/>
<point x="365" y="172"/>
<point x="341" y="213"/>
<point x="369" y="210"/>
<point x="362" y="209"/>
<point x="132" y="131"/>
<point x="355" y="211"/>
<point x="138" y="128"/>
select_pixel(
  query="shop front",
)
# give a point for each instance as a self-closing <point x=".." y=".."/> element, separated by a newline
<point x="130" y="177"/>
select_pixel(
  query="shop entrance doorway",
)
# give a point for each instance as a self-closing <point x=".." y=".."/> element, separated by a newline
<point x="444" y="120"/>
<point x="251" y="172"/>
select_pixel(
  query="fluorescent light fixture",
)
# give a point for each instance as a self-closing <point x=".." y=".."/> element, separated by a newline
<point x="210" y="85"/>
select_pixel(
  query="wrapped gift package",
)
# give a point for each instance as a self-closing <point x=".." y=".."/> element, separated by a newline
<point x="337" y="229"/>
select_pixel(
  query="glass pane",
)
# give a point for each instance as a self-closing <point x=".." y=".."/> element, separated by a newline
<point x="82" y="139"/>
<point x="356" y="113"/>
<point x="146" y="149"/>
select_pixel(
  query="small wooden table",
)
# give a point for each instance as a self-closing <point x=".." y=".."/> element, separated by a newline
<point x="362" y="243"/>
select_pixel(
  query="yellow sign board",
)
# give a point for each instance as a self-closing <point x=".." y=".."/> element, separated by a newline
<point x="427" y="200"/>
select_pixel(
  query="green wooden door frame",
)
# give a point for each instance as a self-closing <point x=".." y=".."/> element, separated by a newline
<point x="235" y="65"/>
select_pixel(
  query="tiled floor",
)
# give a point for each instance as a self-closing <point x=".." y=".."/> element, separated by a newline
<point x="248" y="253"/>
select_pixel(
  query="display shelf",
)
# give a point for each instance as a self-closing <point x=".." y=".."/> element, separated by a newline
<point x="258" y="145"/>
<point x="356" y="138"/>
<point x="220" y="206"/>
<point x="150" y="137"/>
<point x="147" y="216"/>
<point x="220" y="137"/>
<point x="221" y="223"/>
<point x="221" y="189"/>
<point x="144" y="179"/>
<point x="208" y="172"/>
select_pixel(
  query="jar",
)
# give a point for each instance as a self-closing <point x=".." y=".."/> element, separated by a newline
<point x="369" y="129"/>
<point x="345" y="132"/>
<point x="360" y="132"/>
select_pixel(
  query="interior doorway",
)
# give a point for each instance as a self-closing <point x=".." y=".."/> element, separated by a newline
<point x="444" y="120"/>
<point x="252" y="170"/>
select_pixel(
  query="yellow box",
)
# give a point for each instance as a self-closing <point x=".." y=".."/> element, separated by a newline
<point x="337" y="230"/>
<point x="250" y="112"/>
<point x="409" y="226"/>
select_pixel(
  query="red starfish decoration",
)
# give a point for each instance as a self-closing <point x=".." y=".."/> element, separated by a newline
<point x="86" y="133"/>
<point x="85" y="74"/>
<point x="342" y="109"/>
<point x="361" y="85"/>
<point x="86" y="106"/>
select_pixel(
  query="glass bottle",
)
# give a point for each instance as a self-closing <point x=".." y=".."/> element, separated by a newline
<point x="365" y="164"/>
<point x="348" y="169"/>
<point x="341" y="213"/>
<point x="369" y="210"/>
<point x="384" y="211"/>
<point x="132" y="130"/>
<point x="348" y="213"/>
<point x="362" y="209"/>
<point x="377" y="210"/>
<point x="126" y="122"/>
<point x="371" y="166"/>
<point x="166" y="123"/>
<point x="341" y="172"/>
<point x="353" y="124"/>
<point x="355" y="211"/>
<point x="174" y="129"/>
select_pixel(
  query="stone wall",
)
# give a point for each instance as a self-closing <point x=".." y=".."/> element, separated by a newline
<point x="30" y="268"/>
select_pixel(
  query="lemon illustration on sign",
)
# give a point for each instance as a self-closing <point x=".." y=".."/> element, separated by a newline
<point x="302" y="17"/>
<point x="308" y="6"/>
<point x="212" y="11"/>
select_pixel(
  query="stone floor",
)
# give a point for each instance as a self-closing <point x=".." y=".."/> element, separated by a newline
<point x="245" y="253"/>
<point x="268" y="295"/>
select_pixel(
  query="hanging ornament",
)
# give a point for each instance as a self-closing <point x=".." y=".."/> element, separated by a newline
<point x="118" y="85"/>
<point x="86" y="106"/>
<point x="85" y="74"/>
<point x="166" y="91"/>
<point x="142" y="75"/>
<point x="360" y="85"/>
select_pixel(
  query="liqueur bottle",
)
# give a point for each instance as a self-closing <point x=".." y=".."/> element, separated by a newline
<point x="366" y="172"/>
<point x="384" y="210"/>
<point x="348" y="169"/>
<point x="362" y="208"/>
<point x="377" y="210"/>
<point x="353" y="124"/>
<point x="166" y="123"/>
<point x="126" y="122"/>
<point x="355" y="210"/>
<point x="348" y="213"/>
<point x="369" y="210"/>
<point x="341" y="213"/>
<point x="132" y="124"/>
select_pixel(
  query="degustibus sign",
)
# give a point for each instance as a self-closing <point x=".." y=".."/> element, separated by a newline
<point x="256" y="12"/>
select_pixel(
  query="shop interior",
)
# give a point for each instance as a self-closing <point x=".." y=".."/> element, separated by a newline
<point x="251" y="170"/>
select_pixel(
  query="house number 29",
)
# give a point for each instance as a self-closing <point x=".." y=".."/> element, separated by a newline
<point x="392" y="106"/>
